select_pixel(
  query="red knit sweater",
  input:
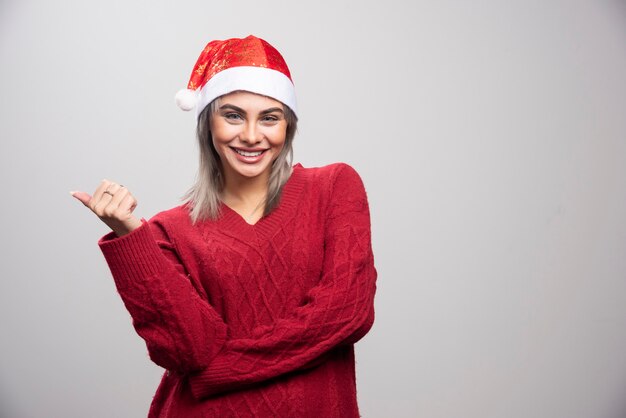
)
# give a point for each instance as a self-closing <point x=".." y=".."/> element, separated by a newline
<point x="254" y="320"/>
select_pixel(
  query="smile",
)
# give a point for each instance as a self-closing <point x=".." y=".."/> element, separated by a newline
<point x="255" y="153"/>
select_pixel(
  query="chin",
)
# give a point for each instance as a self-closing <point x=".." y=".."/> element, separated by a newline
<point x="251" y="171"/>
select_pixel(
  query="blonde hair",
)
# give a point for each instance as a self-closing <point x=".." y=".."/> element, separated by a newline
<point x="204" y="196"/>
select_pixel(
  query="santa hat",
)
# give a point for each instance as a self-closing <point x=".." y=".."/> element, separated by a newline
<point x="249" y="64"/>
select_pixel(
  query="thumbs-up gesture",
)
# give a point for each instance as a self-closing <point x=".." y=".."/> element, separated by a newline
<point x="113" y="204"/>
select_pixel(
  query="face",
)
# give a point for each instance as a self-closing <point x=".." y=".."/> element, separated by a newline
<point x="248" y="133"/>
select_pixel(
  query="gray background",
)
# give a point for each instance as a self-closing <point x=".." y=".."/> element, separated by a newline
<point x="491" y="136"/>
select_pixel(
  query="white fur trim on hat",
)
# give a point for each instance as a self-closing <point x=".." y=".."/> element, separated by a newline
<point x="258" y="80"/>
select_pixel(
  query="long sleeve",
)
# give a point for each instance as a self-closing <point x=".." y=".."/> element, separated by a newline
<point x="181" y="330"/>
<point x="338" y="310"/>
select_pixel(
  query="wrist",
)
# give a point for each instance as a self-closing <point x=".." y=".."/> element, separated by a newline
<point x="127" y="227"/>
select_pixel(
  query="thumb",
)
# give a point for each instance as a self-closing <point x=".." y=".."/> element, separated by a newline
<point x="82" y="196"/>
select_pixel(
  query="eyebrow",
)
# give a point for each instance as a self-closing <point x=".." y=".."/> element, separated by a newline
<point x="263" y="112"/>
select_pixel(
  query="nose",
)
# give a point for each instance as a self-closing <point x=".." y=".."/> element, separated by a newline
<point x="251" y="133"/>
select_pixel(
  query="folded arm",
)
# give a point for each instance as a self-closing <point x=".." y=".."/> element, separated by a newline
<point x="339" y="310"/>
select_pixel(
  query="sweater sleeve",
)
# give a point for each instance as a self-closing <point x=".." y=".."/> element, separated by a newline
<point x="181" y="330"/>
<point x="338" y="310"/>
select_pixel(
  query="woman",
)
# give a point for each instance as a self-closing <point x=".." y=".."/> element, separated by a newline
<point x="252" y="292"/>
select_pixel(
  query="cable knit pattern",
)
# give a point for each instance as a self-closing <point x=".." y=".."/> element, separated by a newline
<point x="255" y="320"/>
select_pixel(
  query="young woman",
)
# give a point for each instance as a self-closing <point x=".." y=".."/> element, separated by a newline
<point x="252" y="292"/>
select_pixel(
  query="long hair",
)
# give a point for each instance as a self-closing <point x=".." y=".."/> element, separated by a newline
<point x="204" y="196"/>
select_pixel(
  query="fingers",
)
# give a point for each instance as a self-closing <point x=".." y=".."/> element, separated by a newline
<point x="127" y="204"/>
<point x="113" y="204"/>
<point x="103" y="196"/>
<point x="110" y="200"/>
<point x="83" y="197"/>
<point x="97" y="195"/>
<point x="117" y="208"/>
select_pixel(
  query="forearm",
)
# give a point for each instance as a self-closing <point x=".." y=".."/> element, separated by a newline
<point x="294" y="343"/>
<point x="182" y="331"/>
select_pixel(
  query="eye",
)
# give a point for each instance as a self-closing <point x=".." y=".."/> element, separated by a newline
<point x="232" y="116"/>
<point x="270" y="118"/>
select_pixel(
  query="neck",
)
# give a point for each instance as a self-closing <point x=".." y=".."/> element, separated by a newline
<point x="244" y="190"/>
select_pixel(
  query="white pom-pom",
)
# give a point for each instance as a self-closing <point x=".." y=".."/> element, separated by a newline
<point x="186" y="99"/>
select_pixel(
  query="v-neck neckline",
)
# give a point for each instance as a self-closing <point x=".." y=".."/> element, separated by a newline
<point x="233" y="223"/>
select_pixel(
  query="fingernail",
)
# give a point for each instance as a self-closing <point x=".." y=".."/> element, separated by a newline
<point x="72" y="192"/>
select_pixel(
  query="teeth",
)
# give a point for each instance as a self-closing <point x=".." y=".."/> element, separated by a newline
<point x="248" y="154"/>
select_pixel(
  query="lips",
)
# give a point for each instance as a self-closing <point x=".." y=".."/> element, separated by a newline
<point x="249" y="156"/>
<point x="249" y="152"/>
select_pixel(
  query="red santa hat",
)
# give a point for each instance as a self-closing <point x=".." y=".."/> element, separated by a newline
<point x="249" y="64"/>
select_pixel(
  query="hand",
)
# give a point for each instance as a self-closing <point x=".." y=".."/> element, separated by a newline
<point x="113" y="204"/>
